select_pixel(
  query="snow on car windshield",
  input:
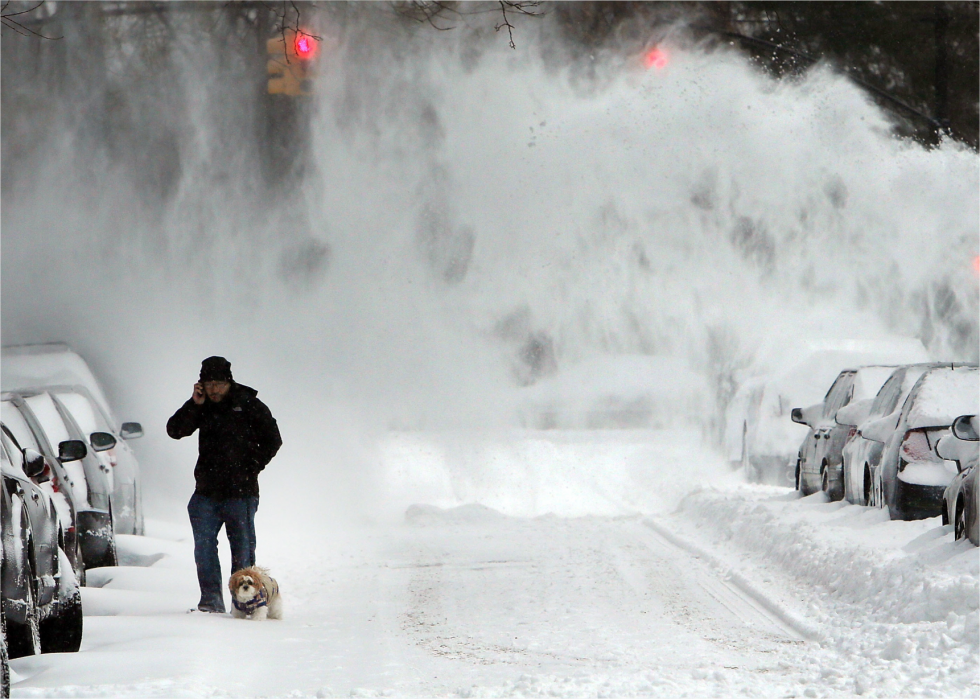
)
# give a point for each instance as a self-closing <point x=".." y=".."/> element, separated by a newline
<point x="869" y="380"/>
<point x="943" y="396"/>
<point x="44" y="409"/>
<point x="85" y="415"/>
<point x="15" y="422"/>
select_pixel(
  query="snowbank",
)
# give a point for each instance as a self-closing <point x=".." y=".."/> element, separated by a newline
<point x="527" y="473"/>
<point x="900" y="598"/>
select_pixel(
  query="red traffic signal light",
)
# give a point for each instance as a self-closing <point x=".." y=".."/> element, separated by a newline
<point x="291" y="66"/>
<point x="655" y="58"/>
<point x="304" y="46"/>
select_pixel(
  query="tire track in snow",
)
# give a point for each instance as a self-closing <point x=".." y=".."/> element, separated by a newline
<point x="735" y="591"/>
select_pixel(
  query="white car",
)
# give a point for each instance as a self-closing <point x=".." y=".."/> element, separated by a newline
<point x="764" y="435"/>
<point x="961" y="501"/>
<point x="57" y="370"/>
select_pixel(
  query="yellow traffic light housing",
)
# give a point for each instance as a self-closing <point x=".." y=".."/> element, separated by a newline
<point x="291" y="65"/>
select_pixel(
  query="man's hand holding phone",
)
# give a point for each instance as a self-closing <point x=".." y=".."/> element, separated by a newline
<point x="198" y="395"/>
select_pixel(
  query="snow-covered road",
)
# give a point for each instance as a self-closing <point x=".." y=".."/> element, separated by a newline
<point x="467" y="601"/>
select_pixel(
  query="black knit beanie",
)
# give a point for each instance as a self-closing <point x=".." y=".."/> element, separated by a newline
<point x="215" y="369"/>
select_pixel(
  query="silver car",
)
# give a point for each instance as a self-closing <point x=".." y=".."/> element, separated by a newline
<point x="90" y="479"/>
<point x="911" y="477"/>
<point x="78" y="405"/>
<point x="861" y="455"/>
<point x="961" y="500"/>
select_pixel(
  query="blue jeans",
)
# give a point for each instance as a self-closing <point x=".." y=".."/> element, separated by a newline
<point x="207" y="517"/>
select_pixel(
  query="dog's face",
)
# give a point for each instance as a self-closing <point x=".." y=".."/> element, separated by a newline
<point x="244" y="586"/>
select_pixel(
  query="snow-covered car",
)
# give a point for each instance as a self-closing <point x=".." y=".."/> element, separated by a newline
<point x="759" y="430"/>
<point x="77" y="404"/>
<point x="911" y="477"/>
<point x="861" y="455"/>
<point x="4" y="656"/>
<point x="820" y="463"/>
<point x="55" y="479"/>
<point x="57" y="369"/>
<point x="41" y="600"/>
<point x="90" y="479"/>
<point x="961" y="500"/>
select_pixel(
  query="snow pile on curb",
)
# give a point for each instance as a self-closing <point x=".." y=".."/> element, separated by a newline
<point x="900" y="598"/>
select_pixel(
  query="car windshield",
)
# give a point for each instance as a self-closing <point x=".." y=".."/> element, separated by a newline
<point x="46" y="412"/>
<point x="839" y="393"/>
<point x="869" y="380"/>
<point x="78" y="406"/>
<point x="14" y="421"/>
<point x="12" y="455"/>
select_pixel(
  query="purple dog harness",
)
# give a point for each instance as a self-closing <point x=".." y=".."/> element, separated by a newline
<point x="261" y="600"/>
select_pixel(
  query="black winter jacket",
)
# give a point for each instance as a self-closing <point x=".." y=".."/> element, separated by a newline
<point x="238" y="439"/>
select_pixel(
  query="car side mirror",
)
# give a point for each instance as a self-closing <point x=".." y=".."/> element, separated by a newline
<point x="807" y="416"/>
<point x="854" y="414"/>
<point x="952" y="448"/>
<point x="72" y="450"/>
<point x="33" y="463"/>
<point x="131" y="430"/>
<point x="101" y="441"/>
<point x="964" y="427"/>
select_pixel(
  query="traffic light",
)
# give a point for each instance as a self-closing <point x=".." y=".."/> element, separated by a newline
<point x="291" y="65"/>
<point x="655" y="58"/>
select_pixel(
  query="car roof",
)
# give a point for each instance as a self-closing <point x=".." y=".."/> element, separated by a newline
<point x="26" y="367"/>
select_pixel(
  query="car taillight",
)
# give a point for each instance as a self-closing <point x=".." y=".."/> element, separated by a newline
<point x="850" y="434"/>
<point x="55" y="484"/>
<point x="48" y="475"/>
<point x="915" y="446"/>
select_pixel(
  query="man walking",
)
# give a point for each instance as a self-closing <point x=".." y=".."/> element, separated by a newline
<point x="238" y="439"/>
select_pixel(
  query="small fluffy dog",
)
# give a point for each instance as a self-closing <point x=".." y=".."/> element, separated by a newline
<point x="254" y="595"/>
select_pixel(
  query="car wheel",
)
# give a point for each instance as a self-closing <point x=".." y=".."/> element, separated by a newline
<point x="960" y="528"/>
<point x="25" y="639"/>
<point x="867" y="485"/>
<point x="61" y="631"/>
<point x="79" y="567"/>
<point x="826" y="485"/>
<point x="4" y="657"/>
<point x="109" y="558"/>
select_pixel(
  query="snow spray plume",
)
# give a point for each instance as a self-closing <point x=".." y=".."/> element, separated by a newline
<point x="463" y="221"/>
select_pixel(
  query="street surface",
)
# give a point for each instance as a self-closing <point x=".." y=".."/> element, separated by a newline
<point x="468" y="601"/>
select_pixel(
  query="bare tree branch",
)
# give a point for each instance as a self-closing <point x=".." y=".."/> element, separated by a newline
<point x="524" y="7"/>
<point x="17" y="26"/>
<point x="284" y="26"/>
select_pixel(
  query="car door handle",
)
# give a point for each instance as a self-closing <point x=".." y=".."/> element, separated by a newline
<point x="34" y="496"/>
